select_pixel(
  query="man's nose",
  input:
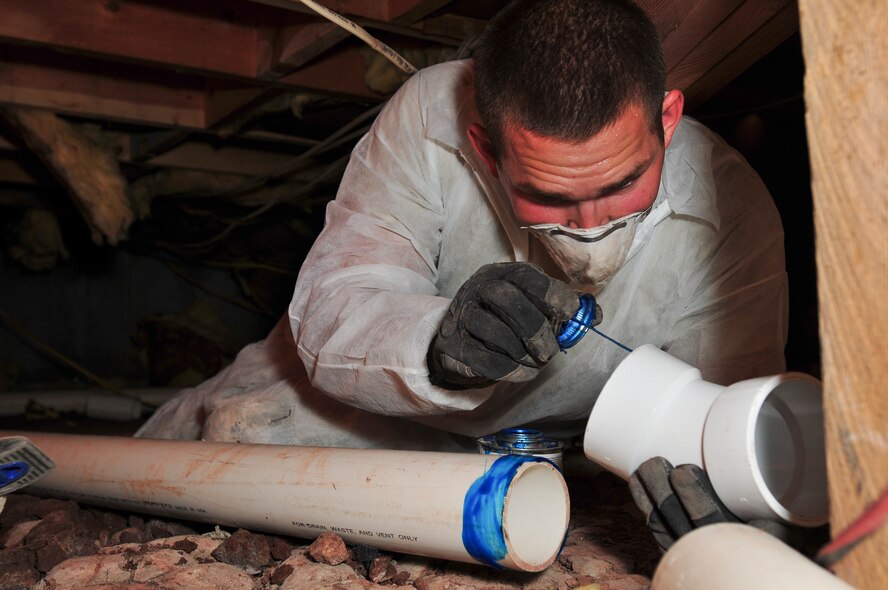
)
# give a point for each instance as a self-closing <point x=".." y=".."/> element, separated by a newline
<point x="587" y="215"/>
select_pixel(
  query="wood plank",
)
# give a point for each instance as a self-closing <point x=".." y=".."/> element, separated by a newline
<point x="198" y="153"/>
<point x="684" y="24"/>
<point x="410" y="11"/>
<point x="25" y="197"/>
<point x="403" y="11"/>
<point x="292" y="46"/>
<point x="225" y="100"/>
<point x="195" y="155"/>
<point x="723" y="39"/>
<point x="846" y="82"/>
<point x="68" y="85"/>
<point x="199" y="36"/>
<point x="13" y="171"/>
<point x="283" y="49"/>
<point x="377" y="9"/>
<point x="340" y="71"/>
<point x="752" y="49"/>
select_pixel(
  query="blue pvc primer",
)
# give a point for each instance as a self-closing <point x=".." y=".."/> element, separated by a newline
<point x="12" y="472"/>
<point x="482" y="532"/>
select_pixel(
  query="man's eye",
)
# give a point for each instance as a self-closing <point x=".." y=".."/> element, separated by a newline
<point x="626" y="184"/>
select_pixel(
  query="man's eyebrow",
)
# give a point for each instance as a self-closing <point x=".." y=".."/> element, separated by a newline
<point x="634" y="174"/>
<point x="529" y="189"/>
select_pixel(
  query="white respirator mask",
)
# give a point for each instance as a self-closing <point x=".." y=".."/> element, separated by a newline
<point x="591" y="256"/>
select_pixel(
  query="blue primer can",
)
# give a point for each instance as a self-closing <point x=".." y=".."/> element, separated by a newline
<point x="12" y="472"/>
<point x="522" y="441"/>
<point x="576" y="327"/>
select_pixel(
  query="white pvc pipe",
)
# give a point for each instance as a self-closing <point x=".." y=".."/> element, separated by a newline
<point x="761" y="441"/>
<point x="93" y="404"/>
<point x="731" y="556"/>
<point x="510" y="511"/>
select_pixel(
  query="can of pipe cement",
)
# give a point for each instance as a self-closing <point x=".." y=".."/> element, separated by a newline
<point x="522" y="441"/>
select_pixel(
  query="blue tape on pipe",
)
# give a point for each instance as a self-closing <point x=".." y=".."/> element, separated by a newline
<point x="482" y="532"/>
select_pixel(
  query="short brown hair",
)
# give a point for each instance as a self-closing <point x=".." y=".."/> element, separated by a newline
<point x="567" y="68"/>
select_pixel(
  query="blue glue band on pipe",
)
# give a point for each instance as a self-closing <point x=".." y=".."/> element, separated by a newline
<point x="482" y="531"/>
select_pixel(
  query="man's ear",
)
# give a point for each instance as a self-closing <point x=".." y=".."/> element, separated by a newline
<point x="673" y="106"/>
<point x="483" y="147"/>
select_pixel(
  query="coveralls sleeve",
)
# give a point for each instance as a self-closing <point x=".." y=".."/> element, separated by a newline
<point x="732" y="323"/>
<point x="366" y="305"/>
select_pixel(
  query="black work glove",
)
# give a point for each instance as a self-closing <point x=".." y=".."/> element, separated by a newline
<point x="502" y="325"/>
<point x="676" y="500"/>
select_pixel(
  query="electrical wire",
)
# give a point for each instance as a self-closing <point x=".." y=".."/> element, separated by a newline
<point x="292" y="195"/>
<point x="377" y="45"/>
<point x="873" y="518"/>
<point x="221" y="296"/>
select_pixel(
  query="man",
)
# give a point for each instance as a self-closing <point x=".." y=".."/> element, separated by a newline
<point x="559" y="152"/>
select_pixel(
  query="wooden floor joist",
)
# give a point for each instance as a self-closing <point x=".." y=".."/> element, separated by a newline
<point x="846" y="82"/>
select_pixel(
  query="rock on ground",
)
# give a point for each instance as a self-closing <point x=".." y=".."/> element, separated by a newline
<point x="52" y="544"/>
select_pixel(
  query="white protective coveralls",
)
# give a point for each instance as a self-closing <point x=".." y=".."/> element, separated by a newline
<point x="416" y="215"/>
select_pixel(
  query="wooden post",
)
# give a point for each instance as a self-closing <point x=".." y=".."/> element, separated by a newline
<point x="846" y="91"/>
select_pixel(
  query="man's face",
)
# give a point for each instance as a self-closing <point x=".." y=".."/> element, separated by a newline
<point x="587" y="184"/>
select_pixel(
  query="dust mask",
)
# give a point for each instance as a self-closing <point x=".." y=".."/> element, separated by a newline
<point x="589" y="257"/>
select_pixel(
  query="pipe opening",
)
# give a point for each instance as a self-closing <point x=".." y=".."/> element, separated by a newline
<point x="536" y="515"/>
<point x="790" y="451"/>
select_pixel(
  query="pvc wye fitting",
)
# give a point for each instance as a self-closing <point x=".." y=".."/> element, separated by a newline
<point x="761" y="441"/>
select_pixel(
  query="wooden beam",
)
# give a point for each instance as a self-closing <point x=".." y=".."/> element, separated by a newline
<point x="198" y="155"/>
<point x="283" y="49"/>
<point x="407" y="12"/>
<point x="23" y="198"/>
<point x="684" y="24"/>
<point x="197" y="151"/>
<point x="198" y="35"/>
<point x="402" y="11"/>
<point x="225" y="101"/>
<point x="64" y="84"/>
<point x="377" y="9"/>
<point x="723" y="39"/>
<point x="339" y="71"/>
<point x="12" y="171"/>
<point x="292" y="46"/>
<point x="846" y="82"/>
<point x="752" y="49"/>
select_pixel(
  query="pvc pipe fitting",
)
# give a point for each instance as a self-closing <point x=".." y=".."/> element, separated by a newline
<point x="761" y="441"/>
<point x="89" y="403"/>
<point x="506" y="512"/>
<point x="731" y="556"/>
